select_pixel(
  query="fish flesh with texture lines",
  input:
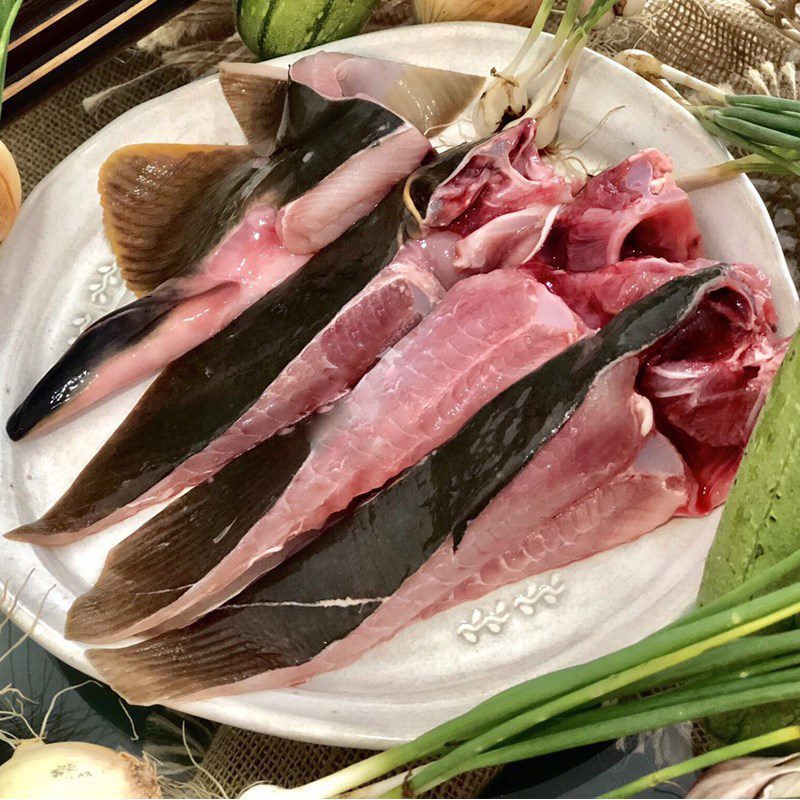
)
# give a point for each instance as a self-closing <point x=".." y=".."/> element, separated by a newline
<point x="487" y="332"/>
<point x="112" y="488"/>
<point x="208" y="230"/>
<point x="302" y="617"/>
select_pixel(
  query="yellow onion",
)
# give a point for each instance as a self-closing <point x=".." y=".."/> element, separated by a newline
<point x="67" y="770"/>
<point x="10" y="191"/>
<point x="514" y="12"/>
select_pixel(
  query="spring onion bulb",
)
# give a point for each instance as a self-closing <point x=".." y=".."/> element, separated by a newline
<point x="75" y="770"/>
<point x="537" y="82"/>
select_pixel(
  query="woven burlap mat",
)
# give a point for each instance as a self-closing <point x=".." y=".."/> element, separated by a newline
<point x="722" y="41"/>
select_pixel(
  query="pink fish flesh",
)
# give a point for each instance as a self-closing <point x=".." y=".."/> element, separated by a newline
<point x="487" y="332"/>
<point x="634" y="208"/>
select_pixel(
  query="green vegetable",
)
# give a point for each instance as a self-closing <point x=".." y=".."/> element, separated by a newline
<point x="759" y="525"/>
<point x="787" y="122"/>
<point x="593" y="702"/>
<point x="767" y="128"/>
<point x="706" y="760"/>
<point x="758" y="132"/>
<point x="8" y="14"/>
<point x="273" y="28"/>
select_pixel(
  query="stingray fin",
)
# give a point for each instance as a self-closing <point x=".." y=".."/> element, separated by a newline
<point x="256" y="95"/>
<point x="148" y="192"/>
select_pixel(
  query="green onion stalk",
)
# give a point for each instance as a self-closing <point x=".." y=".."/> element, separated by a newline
<point x="704" y="664"/>
<point x="766" y="741"/>
<point x="8" y="14"/>
<point x="766" y="128"/>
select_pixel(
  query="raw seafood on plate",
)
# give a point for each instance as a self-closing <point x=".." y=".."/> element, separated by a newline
<point x="479" y="372"/>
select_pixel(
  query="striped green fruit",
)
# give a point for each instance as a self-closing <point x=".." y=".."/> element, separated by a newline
<point x="273" y="28"/>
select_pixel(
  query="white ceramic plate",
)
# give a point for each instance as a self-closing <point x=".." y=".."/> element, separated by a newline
<point x="57" y="274"/>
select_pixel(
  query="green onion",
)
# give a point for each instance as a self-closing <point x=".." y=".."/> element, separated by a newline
<point x="713" y="757"/>
<point x="524" y="711"/>
<point x="787" y="166"/>
<point x="762" y="101"/>
<point x="768" y="128"/>
<point x="756" y="584"/>
<point x="8" y="14"/>
<point x="750" y="653"/>
<point x="788" y="121"/>
<point x="536" y="82"/>
<point x="757" y="133"/>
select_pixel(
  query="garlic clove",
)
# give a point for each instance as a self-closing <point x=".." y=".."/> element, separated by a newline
<point x="749" y="777"/>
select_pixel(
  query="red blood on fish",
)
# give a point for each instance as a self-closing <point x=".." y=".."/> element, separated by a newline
<point x="598" y="295"/>
<point x="707" y="379"/>
<point x="500" y="176"/>
<point x="709" y="408"/>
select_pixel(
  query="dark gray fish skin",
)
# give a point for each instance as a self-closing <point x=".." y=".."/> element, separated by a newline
<point x="201" y="394"/>
<point x="204" y="392"/>
<point x="283" y="620"/>
<point x="101" y="340"/>
<point x="225" y="507"/>
<point x="320" y="135"/>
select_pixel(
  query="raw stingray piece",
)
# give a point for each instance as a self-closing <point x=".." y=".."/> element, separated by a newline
<point x="327" y="368"/>
<point x="199" y="396"/>
<point x="210" y="230"/>
<point x="287" y="627"/>
<point x="598" y="295"/>
<point x="709" y="380"/>
<point x="93" y="503"/>
<point x="632" y="209"/>
<point x="489" y="331"/>
<point x="428" y="98"/>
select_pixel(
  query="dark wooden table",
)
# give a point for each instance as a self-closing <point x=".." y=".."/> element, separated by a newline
<point x="53" y="41"/>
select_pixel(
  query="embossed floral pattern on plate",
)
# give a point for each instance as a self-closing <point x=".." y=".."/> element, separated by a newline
<point x="495" y="619"/>
<point x="104" y="290"/>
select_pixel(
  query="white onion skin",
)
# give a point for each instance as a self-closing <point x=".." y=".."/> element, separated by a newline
<point x="75" y="771"/>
